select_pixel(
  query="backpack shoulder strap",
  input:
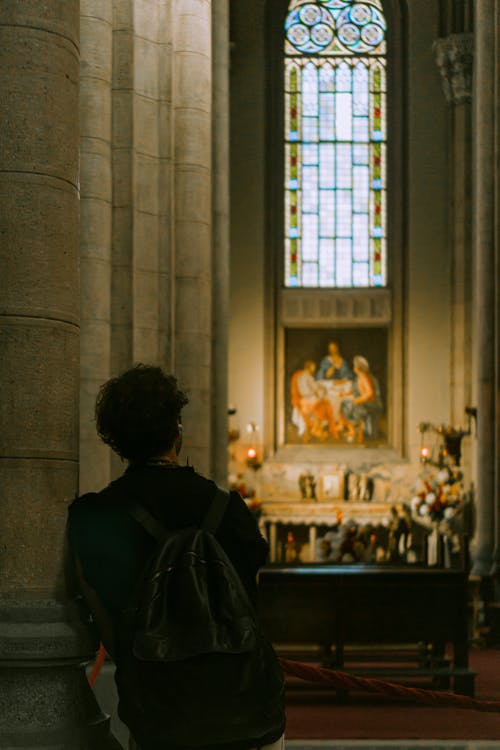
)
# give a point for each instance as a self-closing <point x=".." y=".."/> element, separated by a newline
<point x="216" y="511"/>
<point x="155" y="529"/>
<point x="148" y="522"/>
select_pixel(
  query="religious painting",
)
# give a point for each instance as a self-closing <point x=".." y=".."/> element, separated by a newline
<point x="336" y="386"/>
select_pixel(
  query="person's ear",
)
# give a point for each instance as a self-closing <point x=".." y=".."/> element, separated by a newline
<point x="178" y="439"/>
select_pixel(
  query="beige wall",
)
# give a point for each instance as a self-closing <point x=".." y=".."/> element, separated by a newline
<point x="428" y="331"/>
<point x="247" y="100"/>
<point x="428" y="279"/>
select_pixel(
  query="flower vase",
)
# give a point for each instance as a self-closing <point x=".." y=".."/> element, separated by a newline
<point x="435" y="547"/>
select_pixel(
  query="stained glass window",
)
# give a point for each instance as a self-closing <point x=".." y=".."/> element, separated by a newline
<point x="335" y="144"/>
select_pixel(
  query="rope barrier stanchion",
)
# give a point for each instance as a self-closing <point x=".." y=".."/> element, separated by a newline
<point x="98" y="665"/>
<point x="342" y="680"/>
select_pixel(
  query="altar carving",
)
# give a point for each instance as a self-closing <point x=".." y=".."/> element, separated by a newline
<point x="302" y="531"/>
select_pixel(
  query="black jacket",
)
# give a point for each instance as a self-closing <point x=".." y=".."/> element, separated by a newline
<point x="113" y="548"/>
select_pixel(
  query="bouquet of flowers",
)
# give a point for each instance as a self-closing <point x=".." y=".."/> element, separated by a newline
<point x="247" y="492"/>
<point x="438" y="496"/>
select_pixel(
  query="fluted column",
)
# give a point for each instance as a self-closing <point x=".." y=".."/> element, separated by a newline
<point x="220" y="214"/>
<point x="142" y="156"/>
<point x="165" y="187"/>
<point x="45" y="700"/>
<point x="95" y="233"/>
<point x="149" y="84"/>
<point x="192" y="221"/>
<point x="122" y="297"/>
<point x="484" y="292"/>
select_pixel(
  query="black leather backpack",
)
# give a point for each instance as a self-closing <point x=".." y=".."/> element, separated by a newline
<point x="193" y="668"/>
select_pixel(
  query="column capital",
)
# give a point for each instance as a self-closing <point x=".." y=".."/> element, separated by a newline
<point x="454" y="55"/>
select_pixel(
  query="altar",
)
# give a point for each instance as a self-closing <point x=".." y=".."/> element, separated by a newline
<point x="318" y="505"/>
<point x="283" y="519"/>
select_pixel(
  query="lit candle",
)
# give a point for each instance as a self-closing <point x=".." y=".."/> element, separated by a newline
<point x="424" y="453"/>
<point x="251" y="453"/>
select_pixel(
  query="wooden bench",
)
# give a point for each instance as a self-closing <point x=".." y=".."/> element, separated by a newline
<point x="339" y="607"/>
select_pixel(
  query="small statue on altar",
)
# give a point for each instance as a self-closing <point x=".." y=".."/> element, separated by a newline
<point x="352" y="487"/>
<point x="365" y="488"/>
<point x="307" y="486"/>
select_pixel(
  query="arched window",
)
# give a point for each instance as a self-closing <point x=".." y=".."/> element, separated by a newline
<point x="335" y="144"/>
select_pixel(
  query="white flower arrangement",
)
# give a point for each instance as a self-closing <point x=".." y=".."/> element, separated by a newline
<point x="438" y="496"/>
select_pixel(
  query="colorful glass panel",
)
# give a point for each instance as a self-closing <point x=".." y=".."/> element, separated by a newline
<point x="335" y="144"/>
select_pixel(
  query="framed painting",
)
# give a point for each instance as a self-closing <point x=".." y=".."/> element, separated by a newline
<point x="336" y="386"/>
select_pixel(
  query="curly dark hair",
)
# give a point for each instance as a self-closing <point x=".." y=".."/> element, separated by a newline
<point x="137" y="413"/>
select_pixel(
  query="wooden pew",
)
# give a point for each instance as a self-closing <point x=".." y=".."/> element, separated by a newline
<point x="335" y="606"/>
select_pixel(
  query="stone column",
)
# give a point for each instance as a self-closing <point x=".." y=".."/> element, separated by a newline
<point x="122" y="300"/>
<point x="220" y="217"/>
<point x="95" y="230"/>
<point x="484" y="292"/>
<point x="192" y="217"/>
<point x="45" y="700"/>
<point x="149" y="19"/>
<point x="496" y="274"/>
<point x="165" y="188"/>
<point x="454" y="57"/>
<point x="141" y="143"/>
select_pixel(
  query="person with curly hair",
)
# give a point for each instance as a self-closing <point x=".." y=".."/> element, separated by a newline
<point x="138" y="414"/>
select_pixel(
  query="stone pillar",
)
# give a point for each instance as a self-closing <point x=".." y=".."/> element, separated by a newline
<point x="148" y="80"/>
<point x="484" y="292"/>
<point x="141" y="145"/>
<point x="95" y="231"/>
<point x="122" y="300"/>
<point x="192" y="216"/>
<point x="454" y="57"/>
<point x="496" y="314"/>
<point x="165" y="188"/>
<point x="220" y="217"/>
<point x="45" y="700"/>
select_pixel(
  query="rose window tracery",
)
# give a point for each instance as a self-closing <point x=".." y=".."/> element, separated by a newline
<point x="335" y="26"/>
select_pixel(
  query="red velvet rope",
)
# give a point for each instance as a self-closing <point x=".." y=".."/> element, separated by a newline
<point x="343" y="681"/>
<point x="98" y="665"/>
